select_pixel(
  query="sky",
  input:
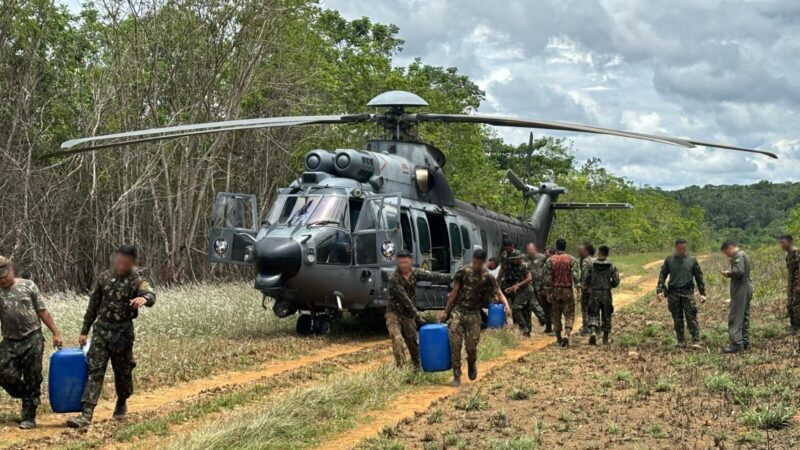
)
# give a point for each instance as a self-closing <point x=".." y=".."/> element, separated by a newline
<point x="723" y="71"/>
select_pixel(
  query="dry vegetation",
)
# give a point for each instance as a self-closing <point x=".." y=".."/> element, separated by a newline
<point x="640" y="393"/>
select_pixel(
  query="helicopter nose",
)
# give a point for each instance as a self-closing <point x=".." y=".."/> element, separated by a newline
<point x="277" y="260"/>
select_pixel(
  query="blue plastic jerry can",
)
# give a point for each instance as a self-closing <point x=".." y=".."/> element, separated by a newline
<point x="497" y="316"/>
<point x="434" y="347"/>
<point x="68" y="374"/>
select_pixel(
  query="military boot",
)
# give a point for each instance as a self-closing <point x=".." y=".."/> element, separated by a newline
<point x="472" y="371"/>
<point x="548" y="328"/>
<point x="605" y="338"/>
<point x="558" y="339"/>
<point x="83" y="420"/>
<point x="29" y="414"/>
<point x="565" y="339"/>
<point x="456" y="381"/>
<point x="121" y="409"/>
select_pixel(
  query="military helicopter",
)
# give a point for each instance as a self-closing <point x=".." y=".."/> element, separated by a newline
<point x="330" y="239"/>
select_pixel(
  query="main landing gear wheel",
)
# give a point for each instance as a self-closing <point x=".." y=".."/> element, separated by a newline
<point x="322" y="325"/>
<point x="304" y="325"/>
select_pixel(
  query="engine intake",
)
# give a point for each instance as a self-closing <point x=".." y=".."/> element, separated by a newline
<point x="355" y="164"/>
<point x="320" y="161"/>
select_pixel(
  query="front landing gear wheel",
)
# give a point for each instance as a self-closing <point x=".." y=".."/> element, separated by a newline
<point x="304" y="325"/>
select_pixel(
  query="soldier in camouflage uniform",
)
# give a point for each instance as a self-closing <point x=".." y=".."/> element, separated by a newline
<point x="600" y="278"/>
<point x="114" y="303"/>
<point x="793" y="285"/>
<point x="506" y="248"/>
<point x="683" y="272"/>
<point x="586" y="254"/>
<point x="535" y="262"/>
<point x="472" y="286"/>
<point x="516" y="286"/>
<point x="561" y="274"/>
<point x="21" y="312"/>
<point x="402" y="317"/>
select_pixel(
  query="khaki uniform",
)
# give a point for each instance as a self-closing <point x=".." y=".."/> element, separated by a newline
<point x="474" y="289"/>
<point x="536" y="266"/>
<point x="683" y="273"/>
<point x="23" y="344"/>
<point x="793" y="288"/>
<point x="561" y="274"/>
<point x="402" y="316"/>
<point x="110" y="316"/>
<point x="741" y="296"/>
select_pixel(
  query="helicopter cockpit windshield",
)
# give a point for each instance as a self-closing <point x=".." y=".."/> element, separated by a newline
<point x="309" y="210"/>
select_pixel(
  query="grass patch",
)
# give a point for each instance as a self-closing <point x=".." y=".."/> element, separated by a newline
<point x="768" y="417"/>
<point x="495" y="342"/>
<point x="655" y="430"/>
<point x="721" y="382"/>
<point x="517" y="443"/>
<point x="382" y="444"/>
<point x="664" y="384"/>
<point x="473" y="401"/>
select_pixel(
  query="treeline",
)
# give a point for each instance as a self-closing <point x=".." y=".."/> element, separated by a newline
<point x="754" y="214"/>
<point x="135" y="64"/>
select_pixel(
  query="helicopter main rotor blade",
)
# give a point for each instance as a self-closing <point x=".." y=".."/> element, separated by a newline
<point x="157" y="134"/>
<point x="561" y="126"/>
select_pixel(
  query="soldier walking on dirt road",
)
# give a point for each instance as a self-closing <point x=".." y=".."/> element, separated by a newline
<point x="602" y="276"/>
<point x="516" y="286"/>
<point x="114" y="302"/>
<point x="472" y="286"/>
<point x="586" y="254"/>
<point x="402" y="317"/>
<point x="793" y="286"/>
<point x="741" y="296"/>
<point x="679" y="274"/>
<point x="22" y="312"/>
<point x="535" y="262"/>
<point x="561" y="275"/>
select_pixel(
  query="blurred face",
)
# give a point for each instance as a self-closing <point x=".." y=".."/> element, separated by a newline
<point x="8" y="280"/>
<point x="508" y="248"/>
<point x="491" y="265"/>
<point x="477" y="264"/>
<point x="531" y="249"/>
<point x="123" y="264"/>
<point x="730" y="251"/>
<point x="582" y="251"/>
<point x="404" y="264"/>
<point x="786" y="245"/>
<point x="681" y="249"/>
<point x="516" y="261"/>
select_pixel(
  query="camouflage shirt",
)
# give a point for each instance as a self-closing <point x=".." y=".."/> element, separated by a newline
<point x="793" y="264"/>
<point x="403" y="291"/>
<point x="514" y="274"/>
<point x="561" y="270"/>
<point x="502" y="262"/>
<point x="536" y="266"/>
<point x="475" y="288"/>
<point x="18" y="309"/>
<point x="601" y="275"/>
<point x="110" y="298"/>
<point x="586" y="266"/>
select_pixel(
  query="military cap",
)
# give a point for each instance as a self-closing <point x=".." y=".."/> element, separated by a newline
<point x="515" y="254"/>
<point x="5" y="263"/>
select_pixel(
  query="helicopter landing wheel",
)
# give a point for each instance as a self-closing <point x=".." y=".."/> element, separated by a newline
<point x="304" y="325"/>
<point x="322" y="325"/>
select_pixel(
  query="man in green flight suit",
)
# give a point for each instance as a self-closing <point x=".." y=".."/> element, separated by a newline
<point x="114" y="302"/>
<point x="402" y="317"/>
<point x="515" y="285"/>
<point x="741" y="296"/>
<point x="601" y="277"/>
<point x="22" y="312"/>
<point x="472" y="286"/>
<point x="793" y="286"/>
<point x="683" y="271"/>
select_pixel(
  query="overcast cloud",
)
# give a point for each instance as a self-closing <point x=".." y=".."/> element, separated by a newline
<point x="725" y="71"/>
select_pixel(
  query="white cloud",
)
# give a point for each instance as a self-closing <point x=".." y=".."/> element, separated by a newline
<point x="721" y="70"/>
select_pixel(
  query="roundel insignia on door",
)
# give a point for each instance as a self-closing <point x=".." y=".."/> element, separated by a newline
<point x="388" y="250"/>
<point x="220" y="247"/>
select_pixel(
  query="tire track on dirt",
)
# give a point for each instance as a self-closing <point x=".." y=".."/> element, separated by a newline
<point x="50" y="423"/>
<point x="407" y="405"/>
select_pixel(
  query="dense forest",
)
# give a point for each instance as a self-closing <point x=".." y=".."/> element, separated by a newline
<point x="132" y="64"/>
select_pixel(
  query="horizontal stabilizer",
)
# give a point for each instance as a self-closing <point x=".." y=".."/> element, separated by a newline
<point x="592" y="206"/>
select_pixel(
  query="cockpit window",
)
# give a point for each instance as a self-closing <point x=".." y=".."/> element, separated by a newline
<point x="330" y="211"/>
<point x="291" y="210"/>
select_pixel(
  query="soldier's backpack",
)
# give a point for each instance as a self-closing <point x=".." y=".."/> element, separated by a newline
<point x="602" y="278"/>
<point x="562" y="270"/>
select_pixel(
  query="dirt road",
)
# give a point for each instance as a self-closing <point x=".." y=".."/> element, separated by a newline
<point x="406" y="406"/>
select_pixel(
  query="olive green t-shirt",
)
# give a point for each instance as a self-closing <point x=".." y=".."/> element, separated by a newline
<point x="19" y="305"/>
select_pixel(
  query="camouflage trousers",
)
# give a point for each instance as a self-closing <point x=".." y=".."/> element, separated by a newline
<point x="586" y="299"/>
<point x="21" y="366"/>
<point x="683" y="307"/>
<point x="403" y="332"/>
<point x="601" y="308"/>
<point x="563" y="300"/>
<point x="465" y="329"/>
<point x="110" y="342"/>
<point x="537" y="309"/>
<point x="793" y="309"/>
<point x="521" y="311"/>
<point x="547" y="308"/>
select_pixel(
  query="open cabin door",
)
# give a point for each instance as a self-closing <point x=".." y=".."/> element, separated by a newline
<point x="377" y="236"/>
<point x="234" y="224"/>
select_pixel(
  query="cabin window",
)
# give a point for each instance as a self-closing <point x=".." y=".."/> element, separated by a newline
<point x="335" y="248"/>
<point x="424" y="235"/>
<point x="455" y="240"/>
<point x="405" y="226"/>
<point x="465" y="238"/>
<point x="484" y="242"/>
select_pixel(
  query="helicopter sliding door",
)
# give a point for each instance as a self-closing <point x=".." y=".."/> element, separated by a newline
<point x="377" y="236"/>
<point x="234" y="224"/>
